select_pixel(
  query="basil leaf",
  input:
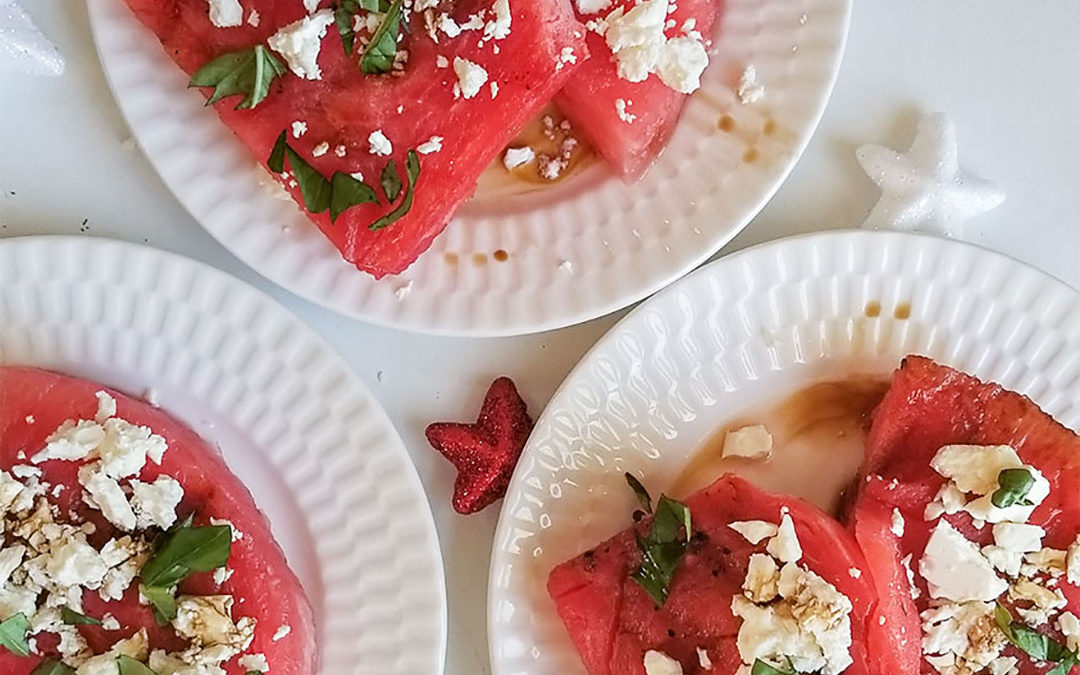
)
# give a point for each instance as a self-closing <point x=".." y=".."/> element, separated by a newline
<point x="73" y="618"/>
<point x="191" y="549"/>
<point x="248" y="73"/>
<point x="50" y="667"/>
<point x="343" y="18"/>
<point x="129" y="666"/>
<point x="13" y="632"/>
<point x="313" y="186"/>
<point x="276" y="161"/>
<point x="1038" y="646"/>
<point x="379" y="56"/>
<point x="663" y="549"/>
<point x="412" y="170"/>
<point x="1014" y="487"/>
<point x="162" y="602"/>
<point x="640" y="492"/>
<point x="763" y="668"/>
<point x="391" y="181"/>
<point x="346" y="192"/>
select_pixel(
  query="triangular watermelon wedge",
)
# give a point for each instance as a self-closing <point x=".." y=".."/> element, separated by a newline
<point x="409" y="108"/>
<point x="629" y="123"/>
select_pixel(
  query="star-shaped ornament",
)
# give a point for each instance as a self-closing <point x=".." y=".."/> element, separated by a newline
<point x="485" y="453"/>
<point x="23" y="48"/>
<point x="924" y="189"/>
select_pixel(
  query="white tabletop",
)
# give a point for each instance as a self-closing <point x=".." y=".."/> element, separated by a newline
<point x="1007" y="72"/>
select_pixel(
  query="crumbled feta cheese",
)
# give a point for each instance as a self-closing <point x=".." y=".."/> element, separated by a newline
<point x="237" y="535"/>
<point x="754" y="531"/>
<point x="380" y="144"/>
<point x="703" y="659"/>
<point x="681" y="63"/>
<point x="76" y="563"/>
<point x="622" y="110"/>
<point x="340" y="150"/>
<point x="471" y="77"/>
<point x="954" y="568"/>
<point x="282" y="631"/>
<point x="1069" y="625"/>
<point x="299" y="128"/>
<point x="299" y="43"/>
<point x="750" y="442"/>
<point x="71" y="441"/>
<point x="24" y="472"/>
<point x="106" y="406"/>
<point x="155" y="503"/>
<point x="441" y="61"/>
<point x="750" y="91"/>
<point x="948" y="500"/>
<point x="225" y="13"/>
<point x="636" y="38"/>
<point x="254" y="18"/>
<point x="311" y="5"/>
<point x="1003" y="665"/>
<point x="433" y="144"/>
<point x="107" y="496"/>
<point x="785" y="545"/>
<point x="897" y="524"/>
<point x="207" y="621"/>
<point x="10" y="558"/>
<point x="320" y="149"/>
<point x="1044" y="601"/>
<point x="222" y="574"/>
<point x="110" y="622"/>
<point x="975" y="468"/>
<point x="1011" y="542"/>
<point x="1072" y="563"/>
<point x="965" y="633"/>
<point x="592" y="6"/>
<point x="30" y="419"/>
<point x="515" y="157"/>
<point x="499" y="27"/>
<point x="254" y="662"/>
<point x="659" y="663"/>
<point x="762" y="578"/>
<point x="854" y="572"/>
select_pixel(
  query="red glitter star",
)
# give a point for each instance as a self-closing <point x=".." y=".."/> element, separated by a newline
<point x="485" y="453"/>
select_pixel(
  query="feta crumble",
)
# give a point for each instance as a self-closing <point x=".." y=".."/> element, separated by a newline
<point x="785" y="545"/>
<point x="320" y="149"/>
<point x="592" y="6"/>
<point x="754" y="531"/>
<point x="955" y="570"/>
<point x="431" y="145"/>
<point x="299" y="43"/>
<point x="515" y="157"/>
<point x="471" y="77"/>
<point x="622" y="109"/>
<point x="637" y="41"/>
<point x="659" y="663"/>
<point x="225" y="13"/>
<point x="380" y="144"/>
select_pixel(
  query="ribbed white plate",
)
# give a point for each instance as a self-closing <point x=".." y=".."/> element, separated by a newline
<point x="585" y="248"/>
<point x="744" y="331"/>
<point x="296" y="425"/>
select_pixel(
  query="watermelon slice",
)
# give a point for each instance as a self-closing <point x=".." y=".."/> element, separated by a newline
<point x="613" y="622"/>
<point x="345" y="107"/>
<point x="33" y="403"/>
<point x="629" y="123"/>
<point x="927" y="407"/>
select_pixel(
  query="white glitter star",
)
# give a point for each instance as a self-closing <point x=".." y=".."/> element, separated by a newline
<point x="924" y="190"/>
<point x="23" y="49"/>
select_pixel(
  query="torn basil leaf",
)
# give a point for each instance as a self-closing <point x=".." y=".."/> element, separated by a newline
<point x="51" y="667"/>
<point x="391" y="181"/>
<point x="346" y="192"/>
<point x="412" y="170"/>
<point x="1014" y="485"/>
<point x="640" y="492"/>
<point x="1038" y="646"/>
<point x="187" y="550"/>
<point x="663" y="549"/>
<point x="379" y="56"/>
<point x="162" y="602"/>
<point x="73" y="618"/>
<point x="13" y="632"/>
<point x="763" y="668"/>
<point x="129" y="666"/>
<point x="248" y="73"/>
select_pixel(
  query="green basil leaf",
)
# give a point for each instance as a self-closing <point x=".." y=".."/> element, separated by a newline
<point x="346" y="192"/>
<point x="343" y="19"/>
<point x="276" y="161"/>
<point x="162" y="602"/>
<point x="381" y="51"/>
<point x="191" y="549"/>
<point x="248" y="73"/>
<point x="763" y="668"/>
<point x="1014" y="487"/>
<point x="412" y="170"/>
<point x="129" y="666"/>
<point x="13" y="632"/>
<point x="663" y="549"/>
<point x="313" y="186"/>
<point x="51" y="667"/>
<point x="1033" y="643"/>
<point x="640" y="492"/>
<point x="73" y="618"/>
<point x="391" y="181"/>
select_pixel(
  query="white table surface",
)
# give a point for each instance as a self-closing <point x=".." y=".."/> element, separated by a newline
<point x="1007" y="72"/>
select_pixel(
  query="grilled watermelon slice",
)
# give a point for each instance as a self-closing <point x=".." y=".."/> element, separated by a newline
<point x="345" y="107"/>
<point x="33" y="403"/>
<point x="929" y="406"/>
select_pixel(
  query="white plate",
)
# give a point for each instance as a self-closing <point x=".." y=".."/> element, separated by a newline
<point x="583" y="249"/>
<point x="296" y="425"/>
<point x="739" y="333"/>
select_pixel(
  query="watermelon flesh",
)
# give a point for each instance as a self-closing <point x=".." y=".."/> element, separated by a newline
<point x="613" y="622"/>
<point x="345" y="107"/>
<point x="589" y="99"/>
<point x="929" y="406"/>
<point x="262" y="584"/>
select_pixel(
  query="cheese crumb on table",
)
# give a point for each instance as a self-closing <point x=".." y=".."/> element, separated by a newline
<point x="750" y="442"/>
